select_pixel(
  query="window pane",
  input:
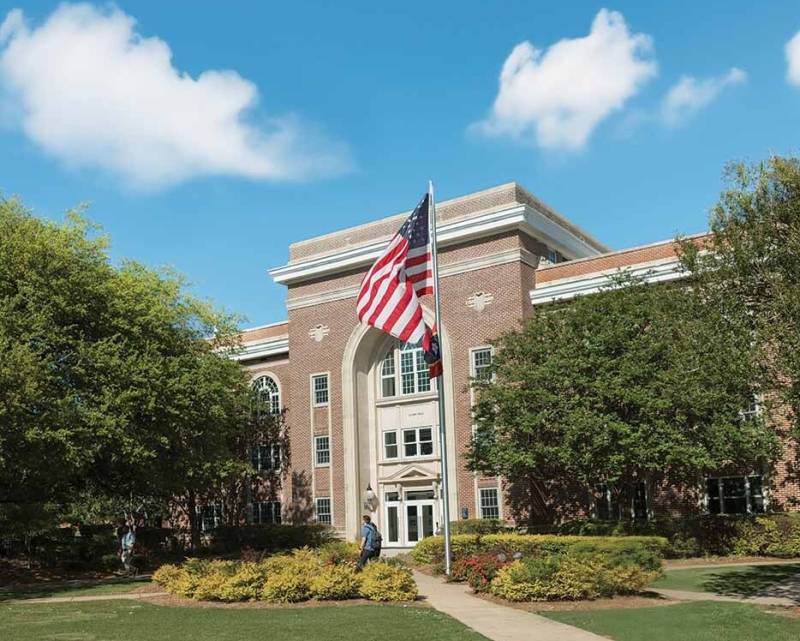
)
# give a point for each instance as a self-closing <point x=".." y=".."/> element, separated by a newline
<point x="412" y="523"/>
<point x="481" y="360"/>
<point x="390" y="444"/>
<point x="391" y="517"/>
<point x="425" y="441"/>
<point x="387" y="387"/>
<point x="490" y="508"/>
<point x="640" y="502"/>
<point x="320" y="384"/>
<point x="419" y="495"/>
<point x="407" y="383"/>
<point x="323" y="451"/>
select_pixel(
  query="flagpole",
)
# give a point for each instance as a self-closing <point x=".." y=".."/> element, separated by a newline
<point x="440" y="382"/>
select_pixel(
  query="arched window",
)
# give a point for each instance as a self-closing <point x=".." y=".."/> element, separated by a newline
<point x="404" y="369"/>
<point x="268" y="392"/>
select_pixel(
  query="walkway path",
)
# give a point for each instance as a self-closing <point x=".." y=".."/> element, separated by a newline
<point x="128" y="596"/>
<point x="497" y="622"/>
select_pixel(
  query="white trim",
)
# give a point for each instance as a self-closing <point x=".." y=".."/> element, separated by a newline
<point x="519" y="217"/>
<point x="313" y="391"/>
<point x="656" y="271"/>
<point x="261" y="349"/>
<point x="459" y="267"/>
<point x="316" y="451"/>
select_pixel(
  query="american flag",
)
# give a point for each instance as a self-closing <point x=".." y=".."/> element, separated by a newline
<point x="388" y="298"/>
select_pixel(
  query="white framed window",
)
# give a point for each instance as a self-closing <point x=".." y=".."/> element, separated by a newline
<point x="319" y="389"/>
<point x="480" y="362"/>
<point x="607" y="505"/>
<point x="735" y="494"/>
<point x="388" y="375"/>
<point x="390" y="449"/>
<point x="266" y="457"/>
<point x="269" y="393"/>
<point x="266" y="512"/>
<point x="403" y="370"/>
<point x="754" y="409"/>
<point x="489" y="503"/>
<point x="418" y="441"/>
<point x="211" y="516"/>
<point x="322" y="451"/>
<point x="322" y="510"/>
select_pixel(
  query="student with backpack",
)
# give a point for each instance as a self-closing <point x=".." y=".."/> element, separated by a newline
<point x="370" y="544"/>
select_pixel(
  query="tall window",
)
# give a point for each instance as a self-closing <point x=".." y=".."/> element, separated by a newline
<point x="390" y="445"/>
<point x="266" y="512"/>
<point x="210" y="516"/>
<point x="418" y="441"/>
<point x="322" y="510"/>
<point x="490" y="504"/>
<point x="319" y="388"/>
<point x="268" y="393"/>
<point x="607" y="505"/>
<point x="404" y="369"/>
<point x="322" y="450"/>
<point x="481" y="362"/>
<point x="735" y="494"/>
<point x="266" y="458"/>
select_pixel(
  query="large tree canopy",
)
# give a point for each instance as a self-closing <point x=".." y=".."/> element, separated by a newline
<point x="750" y="267"/>
<point x="109" y="384"/>
<point x="615" y="387"/>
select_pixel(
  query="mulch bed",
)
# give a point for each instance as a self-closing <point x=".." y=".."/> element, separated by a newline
<point x="644" y="600"/>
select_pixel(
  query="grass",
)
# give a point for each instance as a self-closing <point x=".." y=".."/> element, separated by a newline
<point x="38" y="591"/>
<point x="697" y="621"/>
<point x="728" y="580"/>
<point x="136" y="621"/>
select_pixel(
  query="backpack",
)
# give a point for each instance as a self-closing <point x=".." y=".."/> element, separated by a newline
<point x="377" y="539"/>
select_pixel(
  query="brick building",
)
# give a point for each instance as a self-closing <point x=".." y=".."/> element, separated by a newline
<point x="361" y="410"/>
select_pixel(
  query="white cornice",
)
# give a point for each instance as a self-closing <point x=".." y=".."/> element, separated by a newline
<point x="459" y="267"/>
<point x="261" y="349"/>
<point x="521" y="217"/>
<point x="567" y="288"/>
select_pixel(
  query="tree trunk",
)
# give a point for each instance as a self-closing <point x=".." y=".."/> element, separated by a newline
<point x="194" y="530"/>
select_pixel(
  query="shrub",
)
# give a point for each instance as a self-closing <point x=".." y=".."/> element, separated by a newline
<point x="384" y="582"/>
<point x="168" y="576"/>
<point x="572" y="576"/>
<point x="269" y="538"/>
<point x="477" y="570"/>
<point x="431" y="549"/>
<point x="286" y="586"/>
<point x="245" y="584"/>
<point x="336" y="582"/>
<point x="337" y="552"/>
<point x="478" y="526"/>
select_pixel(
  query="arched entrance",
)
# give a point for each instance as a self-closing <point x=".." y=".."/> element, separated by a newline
<point x="391" y="442"/>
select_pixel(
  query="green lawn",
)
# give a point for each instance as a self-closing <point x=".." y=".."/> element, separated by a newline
<point x="136" y="621"/>
<point x="697" y="621"/>
<point x="730" y="580"/>
<point x="34" y="592"/>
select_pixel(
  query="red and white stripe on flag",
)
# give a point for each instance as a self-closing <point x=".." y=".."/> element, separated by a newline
<point x="388" y="298"/>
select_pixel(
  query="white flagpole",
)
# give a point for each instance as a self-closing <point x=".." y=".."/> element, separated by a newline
<point x="440" y="382"/>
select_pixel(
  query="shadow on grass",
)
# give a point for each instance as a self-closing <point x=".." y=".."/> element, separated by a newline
<point x="82" y="588"/>
<point x="757" y="580"/>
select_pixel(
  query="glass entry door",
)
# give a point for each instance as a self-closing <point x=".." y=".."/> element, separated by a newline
<point x="419" y="521"/>
<point x="409" y="517"/>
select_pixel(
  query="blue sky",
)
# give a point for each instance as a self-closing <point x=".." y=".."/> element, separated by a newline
<point x="353" y="106"/>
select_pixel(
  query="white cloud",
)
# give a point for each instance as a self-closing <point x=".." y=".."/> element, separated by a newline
<point x="689" y="95"/>
<point x="557" y="97"/>
<point x="792" y="50"/>
<point x="92" y="92"/>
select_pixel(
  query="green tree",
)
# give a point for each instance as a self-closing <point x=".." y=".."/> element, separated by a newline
<point x="635" y="383"/>
<point x="750" y="268"/>
<point x="111" y="392"/>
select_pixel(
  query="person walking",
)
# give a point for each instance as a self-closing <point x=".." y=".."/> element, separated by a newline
<point x="370" y="543"/>
<point x="128" y="542"/>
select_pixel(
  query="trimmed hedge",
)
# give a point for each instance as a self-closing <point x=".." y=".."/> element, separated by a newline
<point x="431" y="550"/>
<point x="269" y="538"/>
<point x="479" y="526"/>
<point x="752" y="535"/>
<point x="324" y="574"/>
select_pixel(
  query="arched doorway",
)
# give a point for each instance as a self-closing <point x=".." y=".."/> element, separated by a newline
<point x="391" y="437"/>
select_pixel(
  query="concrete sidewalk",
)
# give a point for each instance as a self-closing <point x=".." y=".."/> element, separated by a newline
<point x="686" y="595"/>
<point x="496" y="622"/>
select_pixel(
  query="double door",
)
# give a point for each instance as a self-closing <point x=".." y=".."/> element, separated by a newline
<point x="411" y="519"/>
